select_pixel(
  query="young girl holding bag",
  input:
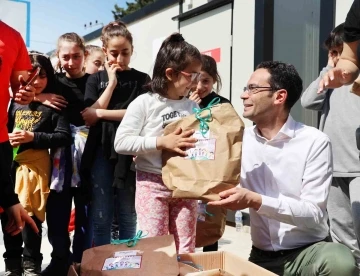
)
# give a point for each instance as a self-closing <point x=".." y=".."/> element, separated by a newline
<point x="176" y="72"/>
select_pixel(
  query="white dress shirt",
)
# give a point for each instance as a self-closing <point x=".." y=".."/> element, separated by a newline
<point x="292" y="172"/>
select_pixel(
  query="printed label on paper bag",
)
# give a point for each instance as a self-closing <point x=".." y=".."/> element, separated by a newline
<point x="204" y="150"/>
<point x="127" y="253"/>
<point x="123" y="262"/>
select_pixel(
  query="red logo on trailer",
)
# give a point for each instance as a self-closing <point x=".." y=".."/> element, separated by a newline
<point x="214" y="53"/>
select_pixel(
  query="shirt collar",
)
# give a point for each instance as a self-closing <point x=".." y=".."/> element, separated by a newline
<point x="286" y="131"/>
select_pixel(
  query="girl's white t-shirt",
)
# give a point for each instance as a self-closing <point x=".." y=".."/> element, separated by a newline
<point x="144" y="121"/>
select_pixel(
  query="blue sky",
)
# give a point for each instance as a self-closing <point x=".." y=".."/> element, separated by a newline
<point x="51" y="18"/>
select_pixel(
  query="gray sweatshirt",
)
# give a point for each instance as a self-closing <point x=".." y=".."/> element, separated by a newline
<point x="340" y="117"/>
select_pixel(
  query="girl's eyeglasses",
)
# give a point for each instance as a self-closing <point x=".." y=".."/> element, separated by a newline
<point x="192" y="76"/>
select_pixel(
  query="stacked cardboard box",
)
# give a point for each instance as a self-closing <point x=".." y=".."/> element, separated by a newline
<point x="157" y="257"/>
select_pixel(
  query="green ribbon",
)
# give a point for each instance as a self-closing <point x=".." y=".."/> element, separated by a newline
<point x="130" y="242"/>
<point x="204" y="127"/>
<point x="206" y="212"/>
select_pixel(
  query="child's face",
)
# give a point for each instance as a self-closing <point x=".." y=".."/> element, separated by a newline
<point x="205" y="85"/>
<point x="40" y="82"/>
<point x="186" y="80"/>
<point x="118" y="50"/>
<point x="335" y="54"/>
<point x="94" y="62"/>
<point x="71" y="58"/>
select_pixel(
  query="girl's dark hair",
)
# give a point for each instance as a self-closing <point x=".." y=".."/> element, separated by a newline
<point x="335" y="38"/>
<point x="174" y="53"/>
<point x="114" y="29"/>
<point x="39" y="60"/>
<point x="210" y="67"/>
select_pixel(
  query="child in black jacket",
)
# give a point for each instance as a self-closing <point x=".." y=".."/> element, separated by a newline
<point x="33" y="130"/>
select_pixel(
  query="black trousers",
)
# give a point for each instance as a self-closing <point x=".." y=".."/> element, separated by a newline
<point x="31" y="241"/>
<point x="7" y="193"/>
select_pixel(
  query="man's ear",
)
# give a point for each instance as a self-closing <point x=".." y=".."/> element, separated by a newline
<point x="169" y="73"/>
<point x="281" y="96"/>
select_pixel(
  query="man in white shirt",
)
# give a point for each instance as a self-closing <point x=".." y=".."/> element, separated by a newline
<point x="285" y="179"/>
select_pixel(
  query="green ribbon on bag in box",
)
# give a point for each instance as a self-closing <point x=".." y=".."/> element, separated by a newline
<point x="204" y="127"/>
<point x="130" y="242"/>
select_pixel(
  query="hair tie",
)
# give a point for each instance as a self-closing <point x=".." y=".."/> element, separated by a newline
<point x="177" y="38"/>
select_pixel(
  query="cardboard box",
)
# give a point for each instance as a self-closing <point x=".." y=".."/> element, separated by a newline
<point x="222" y="263"/>
<point x="158" y="257"/>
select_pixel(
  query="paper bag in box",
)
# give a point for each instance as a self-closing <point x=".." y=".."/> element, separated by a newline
<point x="226" y="261"/>
<point x="158" y="258"/>
<point x="214" y="165"/>
<point x="187" y="270"/>
<point x="210" y="226"/>
<point x="213" y="272"/>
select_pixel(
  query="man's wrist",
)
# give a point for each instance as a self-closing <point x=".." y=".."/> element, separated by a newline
<point x="254" y="199"/>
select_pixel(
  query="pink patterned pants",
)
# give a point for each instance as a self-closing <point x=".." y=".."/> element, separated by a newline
<point x="159" y="214"/>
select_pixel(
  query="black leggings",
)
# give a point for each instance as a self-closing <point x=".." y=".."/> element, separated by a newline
<point x="31" y="240"/>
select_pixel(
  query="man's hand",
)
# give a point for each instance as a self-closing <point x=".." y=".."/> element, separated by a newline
<point x="25" y="94"/>
<point x="17" y="219"/>
<point x="238" y="199"/>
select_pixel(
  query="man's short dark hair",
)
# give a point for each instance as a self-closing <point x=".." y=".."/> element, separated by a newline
<point x="284" y="76"/>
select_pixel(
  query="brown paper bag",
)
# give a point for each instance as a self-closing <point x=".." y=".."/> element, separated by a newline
<point x="158" y="258"/>
<point x="212" y="272"/>
<point x="74" y="270"/>
<point x="204" y="179"/>
<point x="211" y="230"/>
<point x="185" y="269"/>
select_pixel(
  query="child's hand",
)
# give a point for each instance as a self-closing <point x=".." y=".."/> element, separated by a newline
<point x="52" y="100"/>
<point x="334" y="78"/>
<point x="177" y="141"/>
<point x="20" y="137"/>
<point x="332" y="60"/>
<point x="111" y="71"/>
<point x="90" y="116"/>
<point x="195" y="96"/>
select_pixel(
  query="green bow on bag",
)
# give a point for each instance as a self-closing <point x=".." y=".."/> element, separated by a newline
<point x="204" y="127"/>
<point x="130" y="242"/>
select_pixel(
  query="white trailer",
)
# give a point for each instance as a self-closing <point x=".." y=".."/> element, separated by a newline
<point x="239" y="34"/>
